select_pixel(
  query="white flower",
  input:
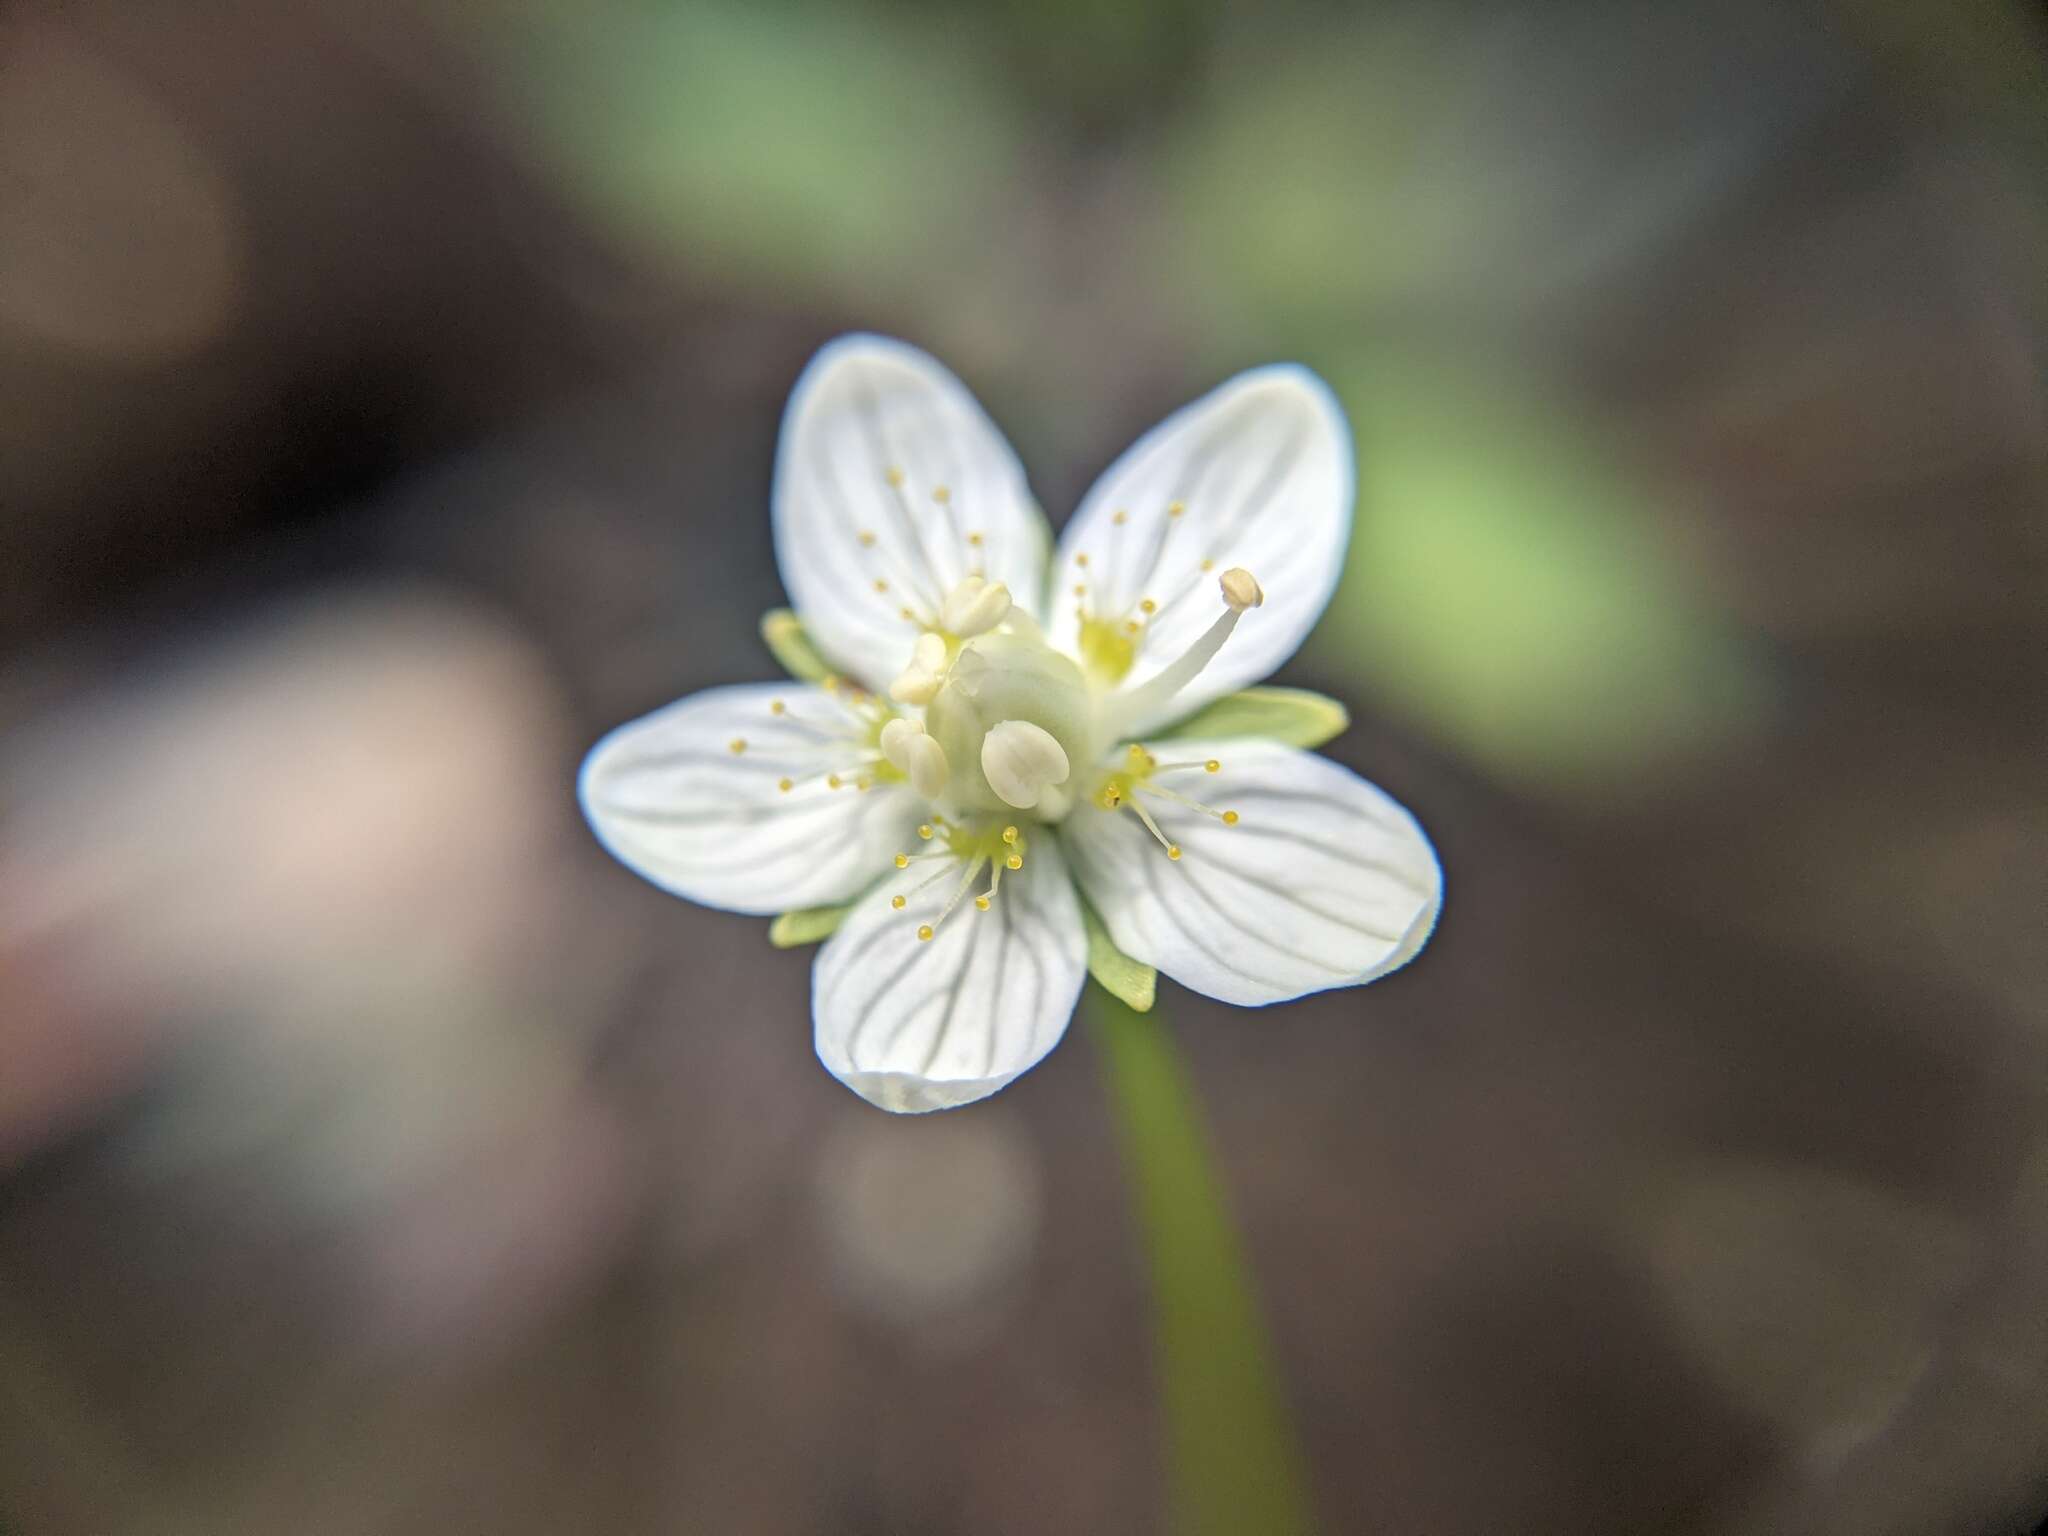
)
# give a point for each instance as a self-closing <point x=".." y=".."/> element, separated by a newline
<point x="999" y="731"/>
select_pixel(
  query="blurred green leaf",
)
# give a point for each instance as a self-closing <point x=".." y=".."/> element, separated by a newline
<point x="792" y="930"/>
<point x="790" y="644"/>
<point x="1293" y="715"/>
<point x="772" y="145"/>
<point x="1233" y="1463"/>
<point x="1508" y="586"/>
<point x="1133" y="984"/>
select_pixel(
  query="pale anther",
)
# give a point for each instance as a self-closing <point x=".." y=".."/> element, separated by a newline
<point x="918" y="682"/>
<point x="1240" y="590"/>
<point x="1021" y="761"/>
<point x="974" y="607"/>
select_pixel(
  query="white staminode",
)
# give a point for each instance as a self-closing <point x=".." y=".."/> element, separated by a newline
<point x="1029" y="731"/>
<point x="905" y="744"/>
<point x="916" y="683"/>
<point x="974" y="607"/>
<point x="1022" y="761"/>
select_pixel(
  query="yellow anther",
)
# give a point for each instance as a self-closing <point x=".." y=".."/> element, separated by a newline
<point x="903" y="861"/>
<point x="1081" y="561"/>
<point x="981" y="903"/>
<point x="1173" y="850"/>
<point x="1175" y="508"/>
<point x="925" y="831"/>
<point x="865" y="781"/>
<point x="974" y="540"/>
<point x="1148" y="606"/>
<point x="777" y="707"/>
<point x="785" y="785"/>
<point x="867" y="539"/>
<point x="899" y="902"/>
<point x="1120" y="518"/>
<point x="894" y="477"/>
<point x="830" y="685"/>
<point x="1132" y="626"/>
<point x="1230" y="818"/>
<point x="942" y="494"/>
<point x="1080" y="589"/>
<point x="881" y="585"/>
<point x="1014" y="861"/>
<point x="738" y="745"/>
<point x="833" y="781"/>
<point x="1009" y="834"/>
<point x="924" y="931"/>
<point x="1208" y="565"/>
<point x="1137" y="753"/>
<point x="1213" y="766"/>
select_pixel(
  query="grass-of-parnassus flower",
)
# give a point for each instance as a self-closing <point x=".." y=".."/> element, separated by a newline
<point x="997" y="773"/>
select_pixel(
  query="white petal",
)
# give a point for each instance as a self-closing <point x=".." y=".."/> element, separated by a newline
<point x="672" y="800"/>
<point x="911" y="1025"/>
<point x="864" y="407"/>
<point x="1262" y="470"/>
<point x="1324" y="882"/>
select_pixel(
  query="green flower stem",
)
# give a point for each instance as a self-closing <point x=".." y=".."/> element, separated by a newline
<point x="1233" y="1463"/>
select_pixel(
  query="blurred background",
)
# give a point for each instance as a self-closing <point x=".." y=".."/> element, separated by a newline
<point x="387" y="396"/>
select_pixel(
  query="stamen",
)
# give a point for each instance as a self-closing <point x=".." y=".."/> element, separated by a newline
<point x="894" y="476"/>
<point x="777" y="707"/>
<point x="1228" y="818"/>
<point x="738" y="745"/>
<point x="867" y="539"/>
<point x="899" y="902"/>
<point x="1172" y="850"/>
<point x="1240" y="592"/>
<point x="942" y="494"/>
<point x="966" y="879"/>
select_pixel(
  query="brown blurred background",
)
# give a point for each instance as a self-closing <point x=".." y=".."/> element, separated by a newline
<point x="387" y="394"/>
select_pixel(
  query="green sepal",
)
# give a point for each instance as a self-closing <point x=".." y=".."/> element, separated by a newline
<point x="1294" y="716"/>
<point x="1132" y="984"/>
<point x="790" y="643"/>
<point x="792" y="930"/>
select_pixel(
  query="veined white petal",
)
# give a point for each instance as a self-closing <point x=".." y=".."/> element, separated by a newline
<point x="1324" y="881"/>
<point x="913" y="1025"/>
<point x="690" y="798"/>
<point x="891" y="487"/>
<point x="1261" y="471"/>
